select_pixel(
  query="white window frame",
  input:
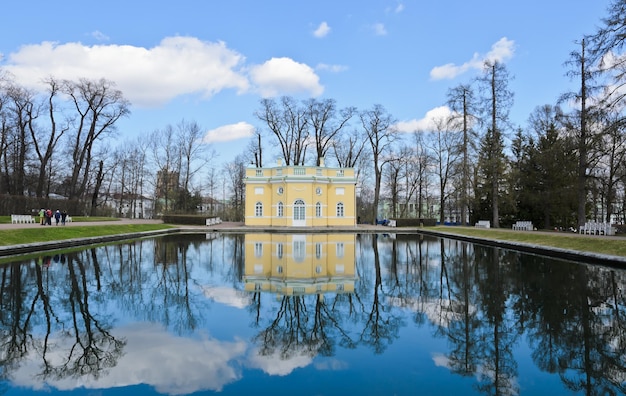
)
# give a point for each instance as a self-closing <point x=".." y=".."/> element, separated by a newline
<point x="280" y="209"/>
<point x="340" y="209"/>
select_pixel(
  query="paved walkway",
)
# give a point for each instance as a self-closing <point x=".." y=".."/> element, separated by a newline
<point x="239" y="226"/>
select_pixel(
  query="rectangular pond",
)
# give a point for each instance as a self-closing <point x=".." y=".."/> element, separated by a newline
<point x="309" y="314"/>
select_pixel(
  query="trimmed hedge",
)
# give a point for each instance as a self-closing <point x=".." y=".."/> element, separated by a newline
<point x="415" y="222"/>
<point x="184" y="219"/>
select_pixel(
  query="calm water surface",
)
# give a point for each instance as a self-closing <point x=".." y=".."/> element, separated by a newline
<point x="314" y="314"/>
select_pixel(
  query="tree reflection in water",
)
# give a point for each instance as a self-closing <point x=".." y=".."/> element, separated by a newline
<point x="63" y="312"/>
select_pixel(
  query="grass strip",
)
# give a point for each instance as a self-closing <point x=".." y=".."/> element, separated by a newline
<point x="75" y="219"/>
<point x="582" y="243"/>
<point x="20" y="236"/>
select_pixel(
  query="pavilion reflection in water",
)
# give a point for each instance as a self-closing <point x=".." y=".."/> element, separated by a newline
<point x="300" y="264"/>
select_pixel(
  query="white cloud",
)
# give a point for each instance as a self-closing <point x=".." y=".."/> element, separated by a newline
<point x="280" y="76"/>
<point x="227" y="296"/>
<point x="501" y="51"/>
<point x="441" y="360"/>
<point x="229" y="132"/>
<point x="148" y="77"/>
<point x="172" y="365"/>
<point x="331" y="68"/>
<point x="427" y="123"/>
<point x="276" y="364"/>
<point x="151" y="77"/>
<point x="379" y="29"/>
<point x="322" y="30"/>
<point x="397" y="9"/>
<point x="98" y="35"/>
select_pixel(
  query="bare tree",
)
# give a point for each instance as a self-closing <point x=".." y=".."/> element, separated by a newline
<point x="327" y="122"/>
<point x="465" y="109"/>
<point x="5" y="134"/>
<point x="98" y="106"/>
<point x="22" y="112"/>
<point x="212" y="184"/>
<point x="255" y="148"/>
<point x="378" y="126"/>
<point x="606" y="51"/>
<point x="581" y="121"/>
<point x="444" y="143"/>
<point x="165" y="154"/>
<point x="46" y="142"/>
<point x="350" y="148"/>
<point x="418" y="173"/>
<point x="612" y="160"/>
<point x="498" y="101"/>
<point x="235" y="172"/>
<point x="194" y="154"/>
<point x="288" y="122"/>
<point x="397" y="175"/>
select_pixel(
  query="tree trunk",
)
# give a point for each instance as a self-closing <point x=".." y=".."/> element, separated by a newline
<point x="96" y="190"/>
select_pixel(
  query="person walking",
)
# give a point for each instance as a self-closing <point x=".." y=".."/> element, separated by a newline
<point x="57" y="216"/>
<point x="63" y="216"/>
<point x="48" y="217"/>
<point x="42" y="216"/>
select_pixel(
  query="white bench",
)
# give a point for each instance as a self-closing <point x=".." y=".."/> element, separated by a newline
<point x="597" y="228"/>
<point x="483" y="224"/>
<point x="213" y="221"/>
<point x="523" y="226"/>
<point x="22" y="219"/>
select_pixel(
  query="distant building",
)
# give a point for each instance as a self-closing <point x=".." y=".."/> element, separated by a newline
<point x="131" y="206"/>
<point x="167" y="182"/>
<point x="211" y="206"/>
<point x="300" y="196"/>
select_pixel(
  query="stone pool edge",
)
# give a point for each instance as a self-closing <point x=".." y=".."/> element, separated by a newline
<point x="572" y="255"/>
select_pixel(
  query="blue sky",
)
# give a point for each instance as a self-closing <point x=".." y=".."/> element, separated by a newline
<point x="212" y="61"/>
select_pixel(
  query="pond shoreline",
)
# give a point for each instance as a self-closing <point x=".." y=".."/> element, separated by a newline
<point x="228" y="227"/>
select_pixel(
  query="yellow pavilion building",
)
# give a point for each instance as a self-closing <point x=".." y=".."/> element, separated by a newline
<point x="300" y="196"/>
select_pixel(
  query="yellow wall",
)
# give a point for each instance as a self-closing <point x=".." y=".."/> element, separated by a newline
<point x="288" y="264"/>
<point x="311" y="184"/>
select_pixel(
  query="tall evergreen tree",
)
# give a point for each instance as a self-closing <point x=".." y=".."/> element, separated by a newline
<point x="491" y="171"/>
<point x="548" y="180"/>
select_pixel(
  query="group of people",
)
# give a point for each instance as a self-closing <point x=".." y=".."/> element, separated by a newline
<point x="46" y="215"/>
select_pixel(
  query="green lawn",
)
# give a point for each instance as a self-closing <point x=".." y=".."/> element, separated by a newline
<point x="75" y="219"/>
<point x="585" y="243"/>
<point x="45" y="234"/>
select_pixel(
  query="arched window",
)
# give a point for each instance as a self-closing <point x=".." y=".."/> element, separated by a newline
<point x="340" y="209"/>
<point x="258" y="209"/>
<point x="280" y="209"/>
<point x="299" y="210"/>
<point x="318" y="209"/>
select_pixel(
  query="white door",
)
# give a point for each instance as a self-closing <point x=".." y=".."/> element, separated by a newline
<point x="299" y="213"/>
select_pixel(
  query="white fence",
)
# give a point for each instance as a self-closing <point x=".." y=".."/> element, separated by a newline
<point x="22" y="219"/>
<point x="523" y="226"/>
<point x="597" y="228"/>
